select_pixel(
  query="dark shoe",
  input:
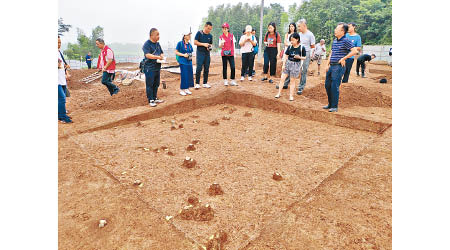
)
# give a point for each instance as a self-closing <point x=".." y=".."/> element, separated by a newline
<point x="332" y="110"/>
<point x="270" y="81"/>
<point x="357" y="74"/>
<point x="285" y="87"/>
<point x="299" y="92"/>
<point x="264" y="79"/>
<point x="115" y="91"/>
<point x="326" y="107"/>
<point x="363" y="76"/>
<point x="66" y="120"/>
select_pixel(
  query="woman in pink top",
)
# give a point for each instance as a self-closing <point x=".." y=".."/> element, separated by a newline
<point x="226" y="42"/>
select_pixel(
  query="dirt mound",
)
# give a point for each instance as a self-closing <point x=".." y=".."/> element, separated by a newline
<point x="386" y="73"/>
<point x="215" y="189"/>
<point x="351" y="96"/>
<point x="197" y="213"/>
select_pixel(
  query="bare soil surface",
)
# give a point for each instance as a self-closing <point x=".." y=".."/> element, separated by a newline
<point x="126" y="162"/>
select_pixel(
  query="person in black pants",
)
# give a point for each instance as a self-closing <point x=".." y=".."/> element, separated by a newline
<point x="247" y="43"/>
<point x="272" y="40"/>
<point x="152" y="69"/>
<point x="361" y="62"/>
<point x="203" y="40"/>
<point x="226" y="43"/>
<point x="89" y="60"/>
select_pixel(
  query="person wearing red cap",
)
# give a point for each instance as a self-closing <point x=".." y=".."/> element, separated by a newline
<point x="226" y="43"/>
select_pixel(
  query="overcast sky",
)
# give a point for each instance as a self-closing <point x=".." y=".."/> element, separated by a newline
<point x="129" y="21"/>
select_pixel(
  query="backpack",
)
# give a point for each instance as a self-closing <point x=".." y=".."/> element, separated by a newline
<point x="141" y="65"/>
<point x="255" y="48"/>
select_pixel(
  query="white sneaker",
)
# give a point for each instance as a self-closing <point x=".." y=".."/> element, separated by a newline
<point x="182" y="93"/>
<point x="159" y="100"/>
<point x="242" y="78"/>
<point x="187" y="92"/>
<point x="206" y="86"/>
<point x="152" y="103"/>
<point x="233" y="83"/>
<point x="225" y="82"/>
<point x="197" y="86"/>
<point x="249" y="78"/>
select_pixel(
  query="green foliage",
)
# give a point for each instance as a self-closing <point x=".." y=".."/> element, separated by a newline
<point x="373" y="18"/>
<point x="63" y="27"/>
<point x="84" y="45"/>
<point x="240" y="15"/>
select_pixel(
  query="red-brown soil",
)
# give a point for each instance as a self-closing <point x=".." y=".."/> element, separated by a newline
<point x="335" y="187"/>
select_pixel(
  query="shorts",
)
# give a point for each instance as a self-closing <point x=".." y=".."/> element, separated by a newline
<point x="317" y="58"/>
<point x="292" y="69"/>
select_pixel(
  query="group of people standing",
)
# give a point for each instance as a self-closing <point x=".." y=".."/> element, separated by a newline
<point x="300" y="49"/>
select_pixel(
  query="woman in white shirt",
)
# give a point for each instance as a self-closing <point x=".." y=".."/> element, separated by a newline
<point x="247" y="42"/>
<point x="292" y="30"/>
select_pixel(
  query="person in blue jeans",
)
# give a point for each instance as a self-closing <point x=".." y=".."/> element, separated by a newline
<point x="152" y="68"/>
<point x="356" y="40"/>
<point x="341" y="49"/>
<point x="107" y="65"/>
<point x="62" y="87"/>
<point x="203" y="40"/>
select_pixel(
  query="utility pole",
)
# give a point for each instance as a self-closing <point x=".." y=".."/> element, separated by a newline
<point x="261" y="29"/>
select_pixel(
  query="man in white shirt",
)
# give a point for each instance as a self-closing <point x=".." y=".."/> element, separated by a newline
<point x="317" y="54"/>
<point x="307" y="40"/>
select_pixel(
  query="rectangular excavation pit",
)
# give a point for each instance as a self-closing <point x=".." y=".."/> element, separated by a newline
<point x="240" y="151"/>
<point x="247" y="99"/>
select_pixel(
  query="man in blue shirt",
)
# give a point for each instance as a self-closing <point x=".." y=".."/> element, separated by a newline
<point x="356" y="40"/>
<point x="152" y="68"/>
<point x="341" y="50"/>
<point x="203" y="40"/>
<point x="88" y="60"/>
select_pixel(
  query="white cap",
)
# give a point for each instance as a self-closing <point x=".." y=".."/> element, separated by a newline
<point x="248" y="28"/>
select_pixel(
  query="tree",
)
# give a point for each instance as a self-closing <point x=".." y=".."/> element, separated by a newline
<point x="63" y="27"/>
<point x="84" y="44"/>
<point x="373" y="18"/>
<point x="240" y="15"/>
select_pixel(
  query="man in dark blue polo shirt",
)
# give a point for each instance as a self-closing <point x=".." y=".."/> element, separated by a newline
<point x="341" y="49"/>
<point x="203" y="40"/>
<point x="152" y="67"/>
<point x="88" y="60"/>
